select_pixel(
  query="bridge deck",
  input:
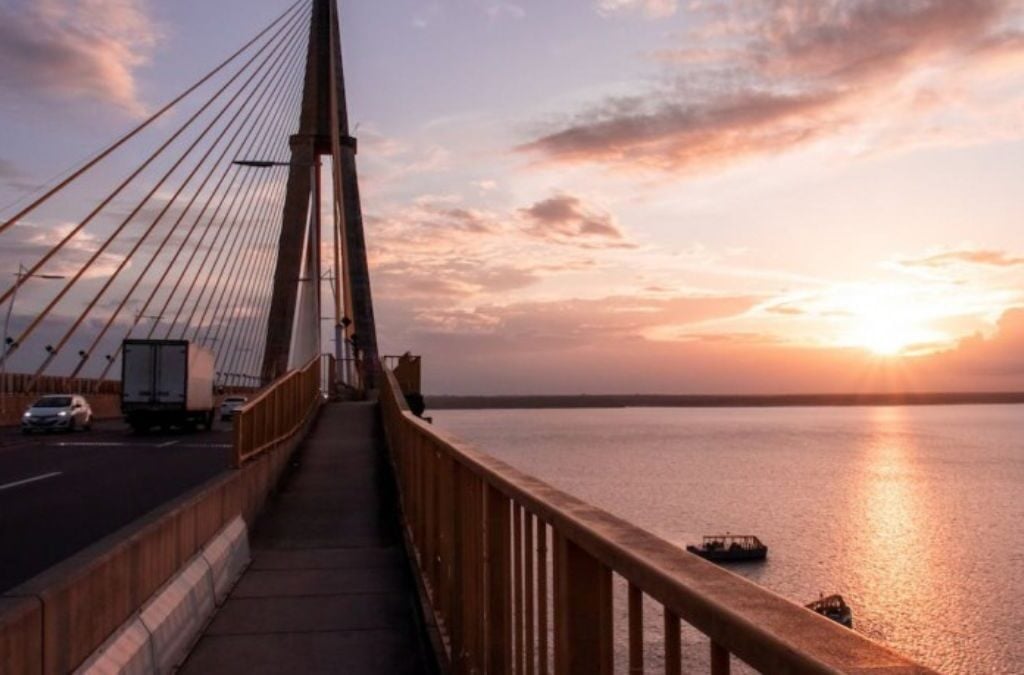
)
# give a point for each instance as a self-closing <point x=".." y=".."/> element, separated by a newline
<point x="329" y="588"/>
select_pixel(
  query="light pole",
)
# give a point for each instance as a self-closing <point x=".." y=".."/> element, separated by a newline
<point x="314" y="169"/>
<point x="9" y="343"/>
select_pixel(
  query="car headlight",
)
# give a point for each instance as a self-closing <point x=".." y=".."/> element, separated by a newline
<point x="62" y="413"/>
<point x="28" y="414"/>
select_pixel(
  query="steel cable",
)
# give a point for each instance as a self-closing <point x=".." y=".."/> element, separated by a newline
<point x="270" y="85"/>
<point x="134" y="132"/>
<point x="96" y="254"/>
<point x="111" y="279"/>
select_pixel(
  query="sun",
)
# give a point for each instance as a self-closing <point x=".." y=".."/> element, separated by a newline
<point x="888" y="335"/>
<point x="887" y="322"/>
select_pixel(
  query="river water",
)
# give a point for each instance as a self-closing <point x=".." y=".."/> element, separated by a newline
<point x="914" y="514"/>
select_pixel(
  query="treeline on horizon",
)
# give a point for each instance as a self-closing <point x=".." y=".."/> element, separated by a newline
<point x="447" y="402"/>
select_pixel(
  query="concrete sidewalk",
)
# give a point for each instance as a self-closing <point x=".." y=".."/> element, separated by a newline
<point x="329" y="589"/>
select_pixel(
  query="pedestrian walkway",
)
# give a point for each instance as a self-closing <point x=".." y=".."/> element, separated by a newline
<point x="329" y="589"/>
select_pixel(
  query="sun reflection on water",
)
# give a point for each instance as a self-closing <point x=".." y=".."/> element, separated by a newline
<point x="896" y="570"/>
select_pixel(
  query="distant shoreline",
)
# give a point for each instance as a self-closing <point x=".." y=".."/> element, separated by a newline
<point x="718" y="401"/>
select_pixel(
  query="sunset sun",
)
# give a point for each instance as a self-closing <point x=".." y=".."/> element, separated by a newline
<point x="888" y="321"/>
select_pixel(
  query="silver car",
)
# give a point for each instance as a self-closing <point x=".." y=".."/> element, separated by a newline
<point x="230" y="406"/>
<point x="59" y="412"/>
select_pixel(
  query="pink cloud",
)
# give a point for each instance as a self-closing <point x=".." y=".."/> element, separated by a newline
<point x="650" y="8"/>
<point x="772" y="75"/>
<point x="88" y="49"/>
<point x="565" y="219"/>
<point x="974" y="257"/>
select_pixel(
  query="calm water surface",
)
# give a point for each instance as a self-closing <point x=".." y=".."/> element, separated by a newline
<point x="915" y="515"/>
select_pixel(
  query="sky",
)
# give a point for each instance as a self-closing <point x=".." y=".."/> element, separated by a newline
<point x="627" y="196"/>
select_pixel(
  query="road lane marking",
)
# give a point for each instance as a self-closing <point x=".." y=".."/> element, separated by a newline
<point x="34" y="479"/>
<point x="91" y="444"/>
<point x="208" y="445"/>
<point x="167" y="444"/>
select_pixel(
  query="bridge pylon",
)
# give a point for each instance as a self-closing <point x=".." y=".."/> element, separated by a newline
<point x="294" y="321"/>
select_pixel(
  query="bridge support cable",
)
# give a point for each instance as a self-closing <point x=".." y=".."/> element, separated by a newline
<point x="240" y="268"/>
<point x="183" y="270"/>
<point x="259" y="138"/>
<point x="241" y="337"/>
<point x="219" y="238"/>
<point x="218" y="226"/>
<point x="224" y="228"/>
<point x="248" y="291"/>
<point x="273" y="85"/>
<point x="235" y="237"/>
<point x="75" y="175"/>
<point x="35" y="268"/>
<point x="140" y="241"/>
<point x="125" y="222"/>
<point x="226" y="268"/>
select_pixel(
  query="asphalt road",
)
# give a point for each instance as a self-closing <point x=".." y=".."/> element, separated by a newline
<point x="61" y="492"/>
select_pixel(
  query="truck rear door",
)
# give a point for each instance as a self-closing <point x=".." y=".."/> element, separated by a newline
<point x="171" y="373"/>
<point x="138" y="385"/>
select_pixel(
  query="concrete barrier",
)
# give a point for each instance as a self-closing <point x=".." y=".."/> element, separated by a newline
<point x="178" y="613"/>
<point x="227" y="555"/>
<point x="54" y="622"/>
<point x="129" y="651"/>
<point x="157" y="639"/>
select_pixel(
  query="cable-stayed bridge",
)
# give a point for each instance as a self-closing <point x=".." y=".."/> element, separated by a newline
<point x="326" y="527"/>
<point x="175" y="230"/>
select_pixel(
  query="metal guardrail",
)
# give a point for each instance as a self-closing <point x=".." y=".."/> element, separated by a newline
<point x="520" y="576"/>
<point x="277" y="413"/>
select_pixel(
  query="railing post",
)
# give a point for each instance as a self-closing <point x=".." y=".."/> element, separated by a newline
<point x="499" y="583"/>
<point x="583" y="612"/>
<point x="636" y="631"/>
<point x="719" y="659"/>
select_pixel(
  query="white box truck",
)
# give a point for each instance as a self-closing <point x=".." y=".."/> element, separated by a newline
<point x="166" y="383"/>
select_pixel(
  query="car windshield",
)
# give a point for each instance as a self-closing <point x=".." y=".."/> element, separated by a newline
<point x="53" y="402"/>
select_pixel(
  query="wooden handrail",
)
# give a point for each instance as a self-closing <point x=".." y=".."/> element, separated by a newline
<point x="436" y="473"/>
<point x="277" y="413"/>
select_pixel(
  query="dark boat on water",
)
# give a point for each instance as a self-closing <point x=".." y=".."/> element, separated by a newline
<point x="730" y="548"/>
<point x="833" y="607"/>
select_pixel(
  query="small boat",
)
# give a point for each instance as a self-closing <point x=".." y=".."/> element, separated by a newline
<point x="730" y="548"/>
<point x="833" y="607"/>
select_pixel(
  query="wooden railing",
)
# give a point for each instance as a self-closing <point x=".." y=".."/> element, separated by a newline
<point x="521" y="578"/>
<point x="277" y="413"/>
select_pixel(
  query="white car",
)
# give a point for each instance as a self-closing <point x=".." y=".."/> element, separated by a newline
<point x="64" y="412"/>
<point x="231" y="405"/>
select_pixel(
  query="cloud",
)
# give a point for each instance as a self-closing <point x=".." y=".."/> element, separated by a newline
<point x="650" y="8"/>
<point x="26" y="243"/>
<point x="496" y="9"/>
<point x="13" y="177"/>
<point x="781" y="74"/>
<point x="995" y="357"/>
<point x="581" y="321"/>
<point x="973" y="257"/>
<point x="76" y="49"/>
<point x="565" y="219"/>
<point x="599" y="347"/>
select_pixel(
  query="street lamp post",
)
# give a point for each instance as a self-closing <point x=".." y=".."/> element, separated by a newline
<point x="314" y="168"/>
<point x="9" y="343"/>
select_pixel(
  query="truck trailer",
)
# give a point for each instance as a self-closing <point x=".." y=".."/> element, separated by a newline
<point x="166" y="383"/>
